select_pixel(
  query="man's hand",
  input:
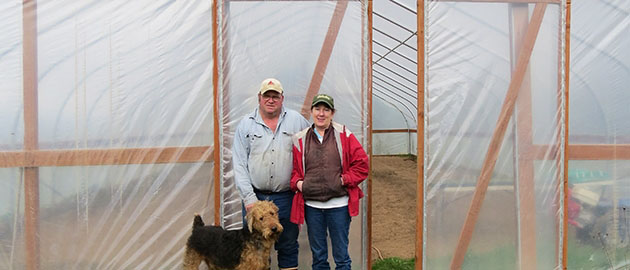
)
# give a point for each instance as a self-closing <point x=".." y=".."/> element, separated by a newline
<point x="248" y="207"/>
<point x="299" y="185"/>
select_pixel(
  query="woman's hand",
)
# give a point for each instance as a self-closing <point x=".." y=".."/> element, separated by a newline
<point x="299" y="185"/>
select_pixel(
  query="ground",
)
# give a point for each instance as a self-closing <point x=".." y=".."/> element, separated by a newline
<point x="394" y="206"/>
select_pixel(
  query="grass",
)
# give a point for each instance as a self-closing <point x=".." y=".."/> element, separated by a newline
<point x="393" y="263"/>
<point x="580" y="257"/>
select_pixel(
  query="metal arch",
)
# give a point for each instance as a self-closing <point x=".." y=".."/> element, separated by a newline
<point x="395" y="52"/>
<point x="396" y="64"/>
<point x="395" y="39"/>
<point x="404" y="117"/>
<point x="412" y="95"/>
<point x="398" y="95"/>
<point x="384" y="93"/>
<point x="404" y="7"/>
<point x="386" y="76"/>
<point x="394" y="23"/>
<point x="404" y="78"/>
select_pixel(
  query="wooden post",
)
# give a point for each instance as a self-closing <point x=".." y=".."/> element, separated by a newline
<point x="525" y="177"/>
<point x="324" y="56"/>
<point x="497" y="136"/>
<point x="420" y="137"/>
<point x="31" y="174"/>
<point x="216" y="115"/>
<point x="369" y="123"/>
<point x="565" y="176"/>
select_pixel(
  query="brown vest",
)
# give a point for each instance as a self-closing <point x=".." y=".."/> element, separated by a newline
<point x="322" y="167"/>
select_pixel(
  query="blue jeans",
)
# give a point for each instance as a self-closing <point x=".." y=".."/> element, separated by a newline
<point x="287" y="245"/>
<point x="337" y="222"/>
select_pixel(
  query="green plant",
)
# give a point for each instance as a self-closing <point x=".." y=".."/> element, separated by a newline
<point x="393" y="263"/>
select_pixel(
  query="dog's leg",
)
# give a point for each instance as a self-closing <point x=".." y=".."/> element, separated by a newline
<point x="192" y="259"/>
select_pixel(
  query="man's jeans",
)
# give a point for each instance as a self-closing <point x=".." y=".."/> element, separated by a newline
<point x="287" y="245"/>
<point x="337" y="222"/>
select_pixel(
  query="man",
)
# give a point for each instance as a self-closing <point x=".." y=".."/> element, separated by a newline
<point x="263" y="161"/>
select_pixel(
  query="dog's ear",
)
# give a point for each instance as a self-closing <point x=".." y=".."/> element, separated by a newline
<point x="250" y="220"/>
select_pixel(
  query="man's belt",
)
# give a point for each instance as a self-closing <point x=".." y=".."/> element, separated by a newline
<point x="269" y="192"/>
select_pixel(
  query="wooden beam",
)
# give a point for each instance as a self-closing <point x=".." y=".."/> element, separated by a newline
<point x="368" y="53"/>
<point x="599" y="152"/>
<point x="31" y="218"/>
<point x="324" y="56"/>
<point x="292" y="0"/>
<point x="215" y="113"/>
<point x="31" y="138"/>
<point x="420" y="136"/>
<point x="393" y="130"/>
<point x="225" y="97"/>
<point x="90" y="157"/>
<point x="497" y="137"/>
<point x="502" y="1"/>
<point x="565" y="161"/>
<point x="525" y="175"/>
<point x="582" y="152"/>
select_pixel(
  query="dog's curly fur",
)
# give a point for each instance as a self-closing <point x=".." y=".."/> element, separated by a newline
<point x="245" y="249"/>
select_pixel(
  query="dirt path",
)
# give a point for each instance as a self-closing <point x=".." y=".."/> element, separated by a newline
<point x="394" y="206"/>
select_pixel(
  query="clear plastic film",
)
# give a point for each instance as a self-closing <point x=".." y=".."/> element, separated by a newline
<point x="321" y="50"/>
<point x="123" y="132"/>
<point x="599" y="133"/>
<point x="121" y="148"/>
<point x="493" y="169"/>
<point x="394" y="75"/>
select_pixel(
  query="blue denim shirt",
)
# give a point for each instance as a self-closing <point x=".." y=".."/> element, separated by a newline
<point x="261" y="158"/>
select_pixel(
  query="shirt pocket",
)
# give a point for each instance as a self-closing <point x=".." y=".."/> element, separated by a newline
<point x="256" y="142"/>
<point x="287" y="140"/>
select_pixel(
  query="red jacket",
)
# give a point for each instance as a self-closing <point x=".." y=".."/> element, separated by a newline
<point x="354" y="164"/>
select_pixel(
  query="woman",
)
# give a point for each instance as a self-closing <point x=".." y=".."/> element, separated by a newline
<point x="328" y="165"/>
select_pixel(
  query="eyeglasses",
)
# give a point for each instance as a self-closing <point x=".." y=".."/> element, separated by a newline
<point x="274" y="97"/>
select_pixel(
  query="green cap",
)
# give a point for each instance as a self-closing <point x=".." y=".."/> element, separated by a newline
<point x="323" y="98"/>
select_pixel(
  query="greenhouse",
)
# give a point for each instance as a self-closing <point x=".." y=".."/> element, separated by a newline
<point x="119" y="122"/>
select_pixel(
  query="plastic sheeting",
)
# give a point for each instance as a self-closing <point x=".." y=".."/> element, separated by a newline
<point x="125" y="116"/>
<point x="267" y="39"/>
<point x="111" y="76"/>
<point x="394" y="75"/>
<point x="599" y="98"/>
<point x="472" y="55"/>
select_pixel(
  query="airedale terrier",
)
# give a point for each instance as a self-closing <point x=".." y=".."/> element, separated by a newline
<point x="245" y="249"/>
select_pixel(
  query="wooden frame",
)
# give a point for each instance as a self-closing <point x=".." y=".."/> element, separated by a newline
<point x="369" y="124"/>
<point x="31" y="174"/>
<point x="525" y="173"/>
<point x="89" y="157"/>
<point x="498" y="134"/>
<point x="564" y="180"/>
<point x="31" y="158"/>
<point x="527" y="150"/>
<point x="215" y="112"/>
<point x="503" y="1"/>
<point x="324" y="56"/>
<point x="394" y="130"/>
<point x="419" y="254"/>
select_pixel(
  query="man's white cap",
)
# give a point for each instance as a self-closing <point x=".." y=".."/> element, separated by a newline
<point x="270" y="84"/>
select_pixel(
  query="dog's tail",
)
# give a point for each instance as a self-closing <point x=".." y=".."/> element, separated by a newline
<point x="198" y="222"/>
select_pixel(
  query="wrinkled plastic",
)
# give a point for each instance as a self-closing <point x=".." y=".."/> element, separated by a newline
<point x="472" y="51"/>
<point x="120" y="75"/>
<point x="394" y="75"/>
<point x="599" y="225"/>
<point x="268" y="39"/>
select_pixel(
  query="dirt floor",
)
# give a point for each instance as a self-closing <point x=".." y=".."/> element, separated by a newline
<point x="394" y="206"/>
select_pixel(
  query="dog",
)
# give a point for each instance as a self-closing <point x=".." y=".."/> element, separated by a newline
<point x="245" y="249"/>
